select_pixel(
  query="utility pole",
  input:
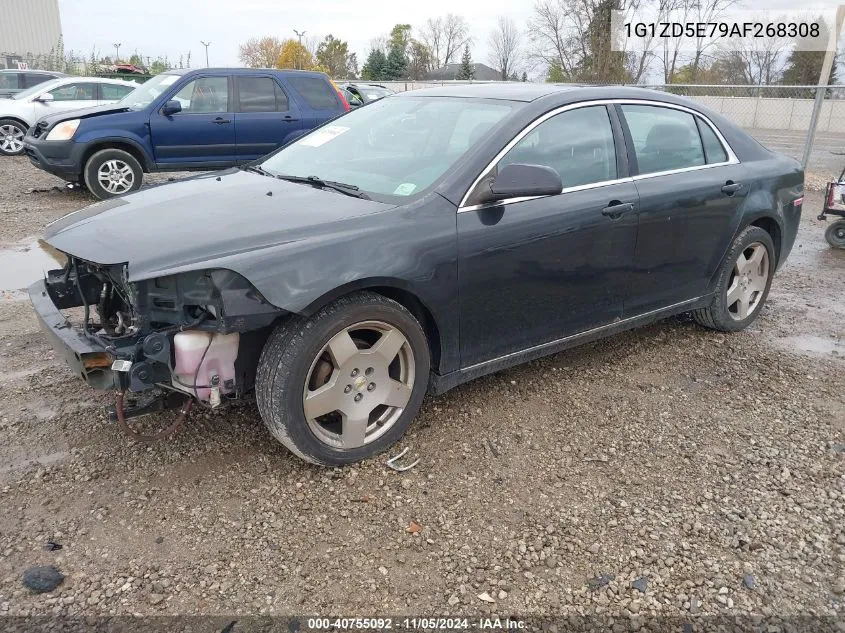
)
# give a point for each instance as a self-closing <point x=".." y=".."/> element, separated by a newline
<point x="206" y="44"/>
<point x="827" y="64"/>
<point x="299" y="52"/>
<point x="116" y="52"/>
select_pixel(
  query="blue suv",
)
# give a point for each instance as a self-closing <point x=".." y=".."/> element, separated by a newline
<point x="183" y="120"/>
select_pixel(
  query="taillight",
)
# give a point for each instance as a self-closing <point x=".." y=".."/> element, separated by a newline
<point x="831" y="194"/>
<point x="343" y="100"/>
<point x="798" y="202"/>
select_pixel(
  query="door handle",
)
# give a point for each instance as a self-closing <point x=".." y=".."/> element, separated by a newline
<point x="289" y="118"/>
<point x="616" y="209"/>
<point x="731" y="187"/>
<point x="220" y="120"/>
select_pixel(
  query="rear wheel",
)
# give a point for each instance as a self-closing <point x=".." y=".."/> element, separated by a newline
<point x="346" y="383"/>
<point x="744" y="281"/>
<point x="11" y="137"/>
<point x="835" y="234"/>
<point x="112" y="172"/>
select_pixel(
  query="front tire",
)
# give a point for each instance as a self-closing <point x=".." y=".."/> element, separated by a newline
<point x="11" y="137"/>
<point x="835" y="234"/>
<point x="743" y="283"/>
<point x="112" y="172"/>
<point x="344" y="384"/>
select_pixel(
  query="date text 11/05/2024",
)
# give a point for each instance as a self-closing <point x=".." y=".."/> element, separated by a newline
<point x="416" y="624"/>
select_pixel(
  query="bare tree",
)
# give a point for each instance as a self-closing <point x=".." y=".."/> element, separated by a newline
<point x="431" y="35"/>
<point x="504" y="43"/>
<point x="260" y="53"/>
<point x="444" y="37"/>
<point x="549" y="32"/>
<point x="680" y="11"/>
<point x="706" y="11"/>
<point x="455" y="36"/>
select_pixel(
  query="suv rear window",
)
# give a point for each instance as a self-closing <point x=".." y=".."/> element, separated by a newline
<point x="33" y="79"/>
<point x="316" y="91"/>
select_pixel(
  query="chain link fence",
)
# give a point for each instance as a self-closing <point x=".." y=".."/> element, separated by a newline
<point x="780" y="117"/>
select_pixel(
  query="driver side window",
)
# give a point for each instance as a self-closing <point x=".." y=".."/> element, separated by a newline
<point x="204" y="95"/>
<point x="75" y="92"/>
<point x="578" y="144"/>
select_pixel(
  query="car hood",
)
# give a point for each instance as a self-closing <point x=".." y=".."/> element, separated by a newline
<point x="231" y="219"/>
<point x="83" y="113"/>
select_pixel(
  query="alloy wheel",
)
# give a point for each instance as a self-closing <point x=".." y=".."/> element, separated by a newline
<point x="115" y="176"/>
<point x="359" y="384"/>
<point x="748" y="281"/>
<point x="11" y="138"/>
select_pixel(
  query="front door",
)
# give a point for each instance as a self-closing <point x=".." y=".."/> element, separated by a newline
<point x="265" y="117"/>
<point x="690" y="189"/>
<point x="72" y="96"/>
<point x="534" y="271"/>
<point x="203" y="133"/>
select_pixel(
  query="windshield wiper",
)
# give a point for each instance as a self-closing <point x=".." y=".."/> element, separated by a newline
<point x="340" y="187"/>
<point x="258" y="170"/>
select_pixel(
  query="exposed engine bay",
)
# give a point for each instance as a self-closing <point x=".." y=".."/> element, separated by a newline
<point x="199" y="333"/>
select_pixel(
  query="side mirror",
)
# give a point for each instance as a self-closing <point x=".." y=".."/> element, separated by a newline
<point x="519" y="180"/>
<point x="45" y="98"/>
<point x="171" y="107"/>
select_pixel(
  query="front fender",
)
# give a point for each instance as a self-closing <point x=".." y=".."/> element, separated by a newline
<point x="118" y="136"/>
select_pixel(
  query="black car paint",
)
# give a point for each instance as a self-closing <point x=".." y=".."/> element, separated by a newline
<point x="494" y="286"/>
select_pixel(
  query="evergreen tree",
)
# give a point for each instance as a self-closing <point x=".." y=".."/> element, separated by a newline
<point x="397" y="63"/>
<point x="524" y="76"/>
<point x="555" y="75"/>
<point x="375" y="66"/>
<point x="466" y="71"/>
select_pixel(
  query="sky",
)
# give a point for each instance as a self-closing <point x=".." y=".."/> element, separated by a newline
<point x="175" y="27"/>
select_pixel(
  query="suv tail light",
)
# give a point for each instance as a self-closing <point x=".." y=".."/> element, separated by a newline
<point x="342" y="98"/>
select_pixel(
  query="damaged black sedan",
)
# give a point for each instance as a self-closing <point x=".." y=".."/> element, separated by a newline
<point x="413" y="245"/>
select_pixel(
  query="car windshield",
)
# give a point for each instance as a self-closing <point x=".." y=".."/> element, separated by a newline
<point x="394" y="148"/>
<point x="37" y="90"/>
<point x="374" y="92"/>
<point x="148" y="92"/>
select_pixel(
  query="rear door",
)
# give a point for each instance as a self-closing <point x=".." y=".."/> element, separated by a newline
<point x="265" y="117"/>
<point x="111" y="93"/>
<point x="690" y="187"/>
<point x="203" y="133"/>
<point x="317" y="97"/>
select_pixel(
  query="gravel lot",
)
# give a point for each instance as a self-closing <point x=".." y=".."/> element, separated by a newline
<point x="667" y="471"/>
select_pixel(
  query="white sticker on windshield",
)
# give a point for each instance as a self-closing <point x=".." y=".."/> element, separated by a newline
<point x="405" y="189"/>
<point x="323" y="135"/>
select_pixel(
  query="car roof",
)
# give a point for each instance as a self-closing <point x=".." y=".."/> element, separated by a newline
<point x="243" y="71"/>
<point x="526" y="92"/>
<point x="54" y="73"/>
<point x="61" y="81"/>
<point x="511" y="91"/>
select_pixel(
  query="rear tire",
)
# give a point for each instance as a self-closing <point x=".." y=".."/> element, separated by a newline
<point x="743" y="283"/>
<point x="112" y="172"/>
<point x="11" y="137"/>
<point x="344" y="384"/>
<point x="835" y="234"/>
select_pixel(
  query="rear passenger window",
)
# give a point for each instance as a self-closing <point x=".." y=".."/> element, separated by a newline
<point x="114" y="92"/>
<point x="714" y="151"/>
<point x="33" y="79"/>
<point x="578" y="144"/>
<point x="260" y="94"/>
<point x="316" y="91"/>
<point x="664" y="138"/>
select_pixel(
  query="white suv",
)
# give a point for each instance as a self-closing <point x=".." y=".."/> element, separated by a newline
<point x="69" y="93"/>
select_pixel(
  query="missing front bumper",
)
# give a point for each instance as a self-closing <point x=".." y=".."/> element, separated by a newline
<point x="87" y="360"/>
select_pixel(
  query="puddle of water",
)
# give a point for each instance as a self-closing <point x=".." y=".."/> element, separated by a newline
<point x="27" y="262"/>
<point x="815" y="345"/>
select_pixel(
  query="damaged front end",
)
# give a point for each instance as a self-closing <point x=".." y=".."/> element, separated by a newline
<point x="199" y="333"/>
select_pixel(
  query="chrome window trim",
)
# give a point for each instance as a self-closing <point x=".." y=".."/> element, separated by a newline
<point x="732" y="158"/>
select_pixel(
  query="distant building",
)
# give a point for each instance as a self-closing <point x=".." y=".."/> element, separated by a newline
<point x="28" y="28"/>
<point x="483" y="72"/>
